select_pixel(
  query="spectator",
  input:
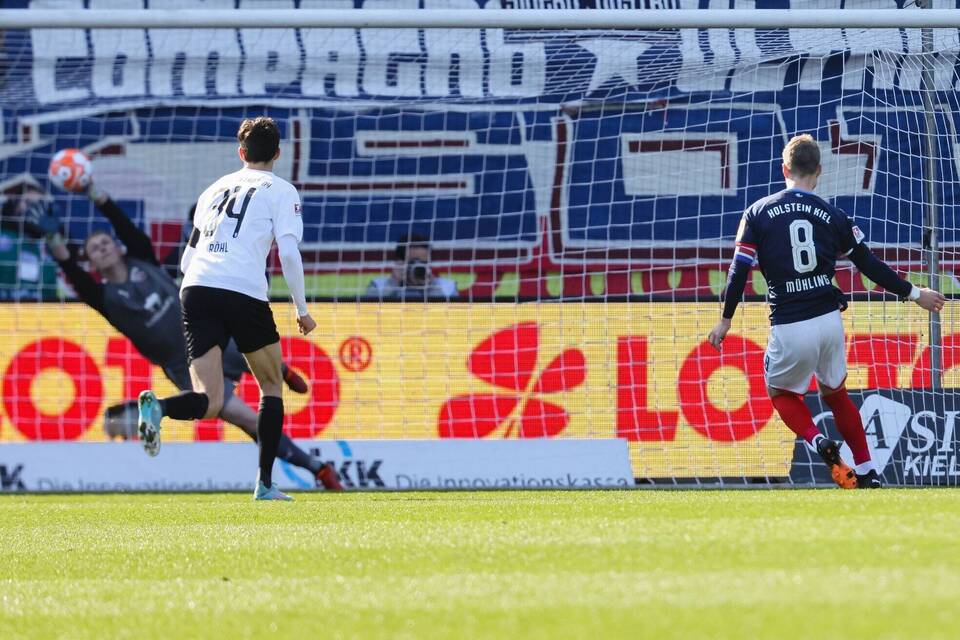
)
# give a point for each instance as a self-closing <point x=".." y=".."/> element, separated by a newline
<point x="26" y="273"/>
<point x="412" y="277"/>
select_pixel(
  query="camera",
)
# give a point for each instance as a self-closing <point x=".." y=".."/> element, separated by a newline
<point x="417" y="273"/>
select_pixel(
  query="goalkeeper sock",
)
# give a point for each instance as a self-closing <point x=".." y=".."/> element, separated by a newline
<point x="188" y="405"/>
<point x="289" y="452"/>
<point x="795" y="414"/>
<point x="269" y="430"/>
<point x="848" y="421"/>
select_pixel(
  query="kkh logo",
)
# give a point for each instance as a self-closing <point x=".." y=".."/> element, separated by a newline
<point x="354" y="473"/>
<point x="10" y="478"/>
<point x="508" y="360"/>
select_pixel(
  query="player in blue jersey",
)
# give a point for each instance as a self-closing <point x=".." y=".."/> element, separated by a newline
<point x="796" y="238"/>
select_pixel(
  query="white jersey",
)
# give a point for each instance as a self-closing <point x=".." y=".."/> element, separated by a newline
<point x="237" y="218"/>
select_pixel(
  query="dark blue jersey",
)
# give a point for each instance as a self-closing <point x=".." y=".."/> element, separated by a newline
<point x="796" y="238"/>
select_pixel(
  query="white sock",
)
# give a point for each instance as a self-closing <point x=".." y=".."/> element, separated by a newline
<point x="816" y="440"/>
<point x="863" y="468"/>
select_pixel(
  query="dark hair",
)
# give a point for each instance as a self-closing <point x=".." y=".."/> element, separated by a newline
<point x="94" y="234"/>
<point x="259" y="138"/>
<point x="802" y="156"/>
<point x="410" y="241"/>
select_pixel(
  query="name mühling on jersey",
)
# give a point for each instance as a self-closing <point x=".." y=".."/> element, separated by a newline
<point x="806" y="284"/>
<point x="799" y="207"/>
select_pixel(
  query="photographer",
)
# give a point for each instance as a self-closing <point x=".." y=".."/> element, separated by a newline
<point x="412" y="278"/>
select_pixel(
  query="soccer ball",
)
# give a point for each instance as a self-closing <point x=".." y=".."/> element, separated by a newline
<point x="71" y="170"/>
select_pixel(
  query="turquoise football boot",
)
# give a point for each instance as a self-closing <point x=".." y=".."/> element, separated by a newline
<point x="270" y="493"/>
<point x="148" y="424"/>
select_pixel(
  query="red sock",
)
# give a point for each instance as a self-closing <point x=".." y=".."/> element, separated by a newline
<point x="795" y="414"/>
<point x="847" y="418"/>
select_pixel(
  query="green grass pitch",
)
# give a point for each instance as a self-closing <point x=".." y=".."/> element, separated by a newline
<point x="630" y="564"/>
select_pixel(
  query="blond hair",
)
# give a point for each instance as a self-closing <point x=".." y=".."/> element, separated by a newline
<point x="802" y="156"/>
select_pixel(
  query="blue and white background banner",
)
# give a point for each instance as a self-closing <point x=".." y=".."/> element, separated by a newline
<point x="482" y="138"/>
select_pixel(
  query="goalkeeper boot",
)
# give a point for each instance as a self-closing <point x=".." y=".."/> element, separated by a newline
<point x="327" y="477"/>
<point x="148" y="424"/>
<point x="269" y="493"/>
<point x="839" y="471"/>
<point x="294" y="380"/>
<point x="869" y="480"/>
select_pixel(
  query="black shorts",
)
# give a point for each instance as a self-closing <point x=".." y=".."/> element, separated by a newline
<point x="212" y="316"/>
<point x="179" y="375"/>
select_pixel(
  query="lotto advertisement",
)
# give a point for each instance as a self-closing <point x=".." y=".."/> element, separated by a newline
<point x="643" y="373"/>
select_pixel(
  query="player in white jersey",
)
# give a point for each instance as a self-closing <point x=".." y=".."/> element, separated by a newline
<point x="224" y="292"/>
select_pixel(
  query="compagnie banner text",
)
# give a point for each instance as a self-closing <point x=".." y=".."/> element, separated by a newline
<point x="483" y="371"/>
<point x="481" y="138"/>
<point x="434" y="63"/>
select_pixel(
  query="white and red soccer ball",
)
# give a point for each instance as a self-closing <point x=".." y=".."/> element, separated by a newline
<point x="71" y="170"/>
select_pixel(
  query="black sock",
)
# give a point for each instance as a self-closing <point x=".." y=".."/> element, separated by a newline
<point x="269" y="430"/>
<point x="289" y="452"/>
<point x="117" y="410"/>
<point x="188" y="405"/>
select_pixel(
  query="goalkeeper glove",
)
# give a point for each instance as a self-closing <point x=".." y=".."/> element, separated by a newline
<point x="40" y="220"/>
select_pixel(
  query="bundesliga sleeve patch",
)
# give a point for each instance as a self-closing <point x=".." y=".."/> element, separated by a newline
<point x="857" y="234"/>
<point x="296" y="209"/>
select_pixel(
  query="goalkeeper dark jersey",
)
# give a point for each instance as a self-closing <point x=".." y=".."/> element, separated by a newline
<point x="145" y="308"/>
<point x="796" y="238"/>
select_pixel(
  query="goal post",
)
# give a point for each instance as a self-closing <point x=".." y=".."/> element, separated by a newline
<point x="578" y="175"/>
<point x="613" y="19"/>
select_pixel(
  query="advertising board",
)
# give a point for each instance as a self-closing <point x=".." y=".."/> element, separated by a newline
<point x="362" y="464"/>
<point x="641" y="372"/>
<point x="911" y="433"/>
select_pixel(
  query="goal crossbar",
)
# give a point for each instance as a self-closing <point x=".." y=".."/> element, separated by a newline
<point x="479" y="19"/>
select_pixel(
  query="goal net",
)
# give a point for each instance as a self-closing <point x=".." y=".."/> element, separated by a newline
<point x="568" y="198"/>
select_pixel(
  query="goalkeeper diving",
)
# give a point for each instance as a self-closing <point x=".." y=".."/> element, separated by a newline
<point x="796" y="238"/>
<point x="142" y="302"/>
